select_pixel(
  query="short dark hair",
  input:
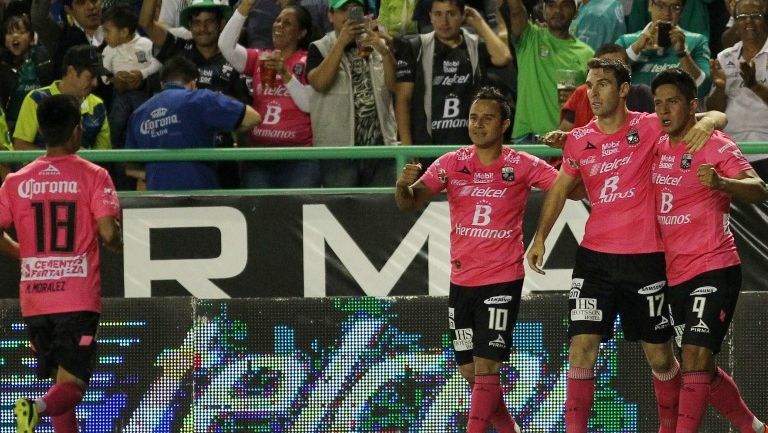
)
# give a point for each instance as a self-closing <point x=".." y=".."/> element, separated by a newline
<point x="121" y="17"/>
<point x="619" y="69"/>
<point x="179" y="69"/>
<point x="17" y="22"/>
<point x="57" y="117"/>
<point x="609" y="49"/>
<point x="678" y="78"/>
<point x="494" y="94"/>
<point x="459" y="4"/>
<point x="304" y="18"/>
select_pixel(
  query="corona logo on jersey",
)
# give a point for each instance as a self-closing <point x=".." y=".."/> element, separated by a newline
<point x="31" y="187"/>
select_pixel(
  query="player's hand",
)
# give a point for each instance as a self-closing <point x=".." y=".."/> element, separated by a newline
<point x="409" y="175"/>
<point x="708" y="176"/>
<point x="698" y="136"/>
<point x="555" y="139"/>
<point x="536" y="256"/>
<point x="717" y="73"/>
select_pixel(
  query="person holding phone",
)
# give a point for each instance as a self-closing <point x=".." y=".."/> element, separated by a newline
<point x="663" y="44"/>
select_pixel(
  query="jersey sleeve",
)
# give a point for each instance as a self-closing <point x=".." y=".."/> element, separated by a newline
<point x="728" y="159"/>
<point x="104" y="201"/>
<point x="570" y="159"/>
<point x="436" y="176"/>
<point x="406" y="62"/>
<point x="26" y="125"/>
<point x="542" y="175"/>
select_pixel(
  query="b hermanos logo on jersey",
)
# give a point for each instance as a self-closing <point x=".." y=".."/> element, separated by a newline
<point x="31" y="187"/>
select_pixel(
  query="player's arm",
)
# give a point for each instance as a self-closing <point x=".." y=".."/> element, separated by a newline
<point x="550" y="210"/>
<point x="411" y="193"/>
<point x="109" y="230"/>
<point x="8" y="246"/>
<point x="251" y="118"/>
<point x="747" y="186"/>
<point x="706" y="123"/>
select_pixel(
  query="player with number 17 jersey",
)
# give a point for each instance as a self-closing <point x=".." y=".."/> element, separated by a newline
<point x="56" y="202"/>
<point x="486" y="207"/>
<point x="616" y="171"/>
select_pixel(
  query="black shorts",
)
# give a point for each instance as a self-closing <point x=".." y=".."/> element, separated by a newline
<point x="702" y="307"/>
<point x="481" y="320"/>
<point x="66" y="340"/>
<point x="630" y="285"/>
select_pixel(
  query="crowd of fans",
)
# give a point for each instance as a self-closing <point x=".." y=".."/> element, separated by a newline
<point x="353" y="73"/>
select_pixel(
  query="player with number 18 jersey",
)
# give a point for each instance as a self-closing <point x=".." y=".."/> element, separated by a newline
<point x="54" y="203"/>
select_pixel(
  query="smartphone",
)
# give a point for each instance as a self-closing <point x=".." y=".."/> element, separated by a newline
<point x="356" y="14"/>
<point x="663" y="29"/>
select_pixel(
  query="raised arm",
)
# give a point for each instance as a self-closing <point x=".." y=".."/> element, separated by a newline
<point x="156" y="32"/>
<point x="235" y="53"/>
<point x="518" y="15"/>
<point x="554" y="201"/>
<point x="497" y="48"/>
<point x="411" y="193"/>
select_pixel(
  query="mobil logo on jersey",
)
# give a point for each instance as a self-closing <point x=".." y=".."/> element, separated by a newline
<point x="610" y="148"/>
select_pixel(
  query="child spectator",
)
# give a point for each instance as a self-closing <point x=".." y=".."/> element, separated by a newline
<point x="129" y="58"/>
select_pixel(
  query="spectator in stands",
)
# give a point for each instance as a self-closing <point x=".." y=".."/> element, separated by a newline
<point x="438" y="72"/>
<point x="577" y="111"/>
<point x="599" y="22"/>
<point x="168" y="17"/>
<point x="740" y="78"/>
<point x="352" y="104"/>
<point x="180" y="116"/>
<point x="81" y="66"/>
<point x="396" y="16"/>
<point x="694" y="16"/>
<point x="730" y="35"/>
<point x="689" y="51"/>
<point x="205" y="19"/>
<point x="81" y="26"/>
<point x="24" y="66"/>
<point x="130" y="56"/>
<point x="541" y="52"/>
<point x="280" y="93"/>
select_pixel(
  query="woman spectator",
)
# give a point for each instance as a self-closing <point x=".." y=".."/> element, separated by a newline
<point x="283" y="102"/>
<point x="24" y="66"/>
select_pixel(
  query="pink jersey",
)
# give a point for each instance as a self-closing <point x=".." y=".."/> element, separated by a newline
<point x="486" y="205"/>
<point x="616" y="171"/>
<point x="283" y="123"/>
<point x="54" y="203"/>
<point x="693" y="218"/>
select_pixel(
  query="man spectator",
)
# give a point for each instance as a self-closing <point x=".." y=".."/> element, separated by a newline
<point x="541" y="53"/>
<point x="652" y="50"/>
<point x="438" y="72"/>
<point x="599" y="22"/>
<point x="351" y="104"/>
<point x="577" y="110"/>
<point x="60" y="205"/>
<point x="615" y="274"/>
<point x="82" y="25"/>
<point x="179" y="117"/>
<point x="693" y="198"/>
<point x="81" y="66"/>
<point x="740" y="78"/>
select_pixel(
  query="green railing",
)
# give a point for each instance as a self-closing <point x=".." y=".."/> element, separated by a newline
<point x="401" y="154"/>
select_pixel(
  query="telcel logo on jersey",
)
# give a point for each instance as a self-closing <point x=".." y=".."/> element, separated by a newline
<point x="615" y="164"/>
<point x="31" y="187"/>
<point x="475" y="191"/>
<point x="660" y="179"/>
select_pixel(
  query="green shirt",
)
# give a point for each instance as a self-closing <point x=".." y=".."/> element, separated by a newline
<point x="651" y="62"/>
<point x="5" y="136"/>
<point x="695" y="16"/>
<point x="539" y="55"/>
<point x="95" y="125"/>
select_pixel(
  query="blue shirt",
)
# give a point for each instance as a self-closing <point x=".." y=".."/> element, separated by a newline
<point x="179" y="118"/>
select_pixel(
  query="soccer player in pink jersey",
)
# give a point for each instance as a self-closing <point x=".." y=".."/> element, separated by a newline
<point x="619" y="266"/>
<point x="487" y="185"/>
<point x="60" y="204"/>
<point x="693" y="198"/>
